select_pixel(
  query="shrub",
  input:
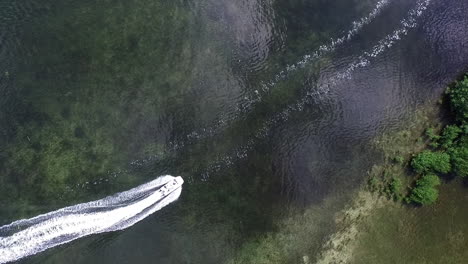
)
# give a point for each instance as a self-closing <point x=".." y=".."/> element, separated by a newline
<point x="399" y="159"/>
<point x="424" y="195"/>
<point x="373" y="184"/>
<point x="449" y="135"/>
<point x="429" y="161"/>
<point x="434" y="144"/>
<point x="432" y="135"/>
<point x="396" y="187"/>
<point x="431" y="180"/>
<point x="460" y="160"/>
<point x="425" y="191"/>
<point x="459" y="99"/>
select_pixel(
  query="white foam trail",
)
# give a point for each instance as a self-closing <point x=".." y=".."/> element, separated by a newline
<point x="30" y="236"/>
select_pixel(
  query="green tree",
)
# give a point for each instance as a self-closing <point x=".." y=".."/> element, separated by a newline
<point x="433" y="137"/>
<point x="425" y="192"/>
<point x="429" y="161"/>
<point x="458" y="95"/>
<point x="449" y="135"/>
<point x="459" y="158"/>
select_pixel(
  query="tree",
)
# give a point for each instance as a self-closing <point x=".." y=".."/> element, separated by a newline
<point x="430" y="133"/>
<point x="425" y="192"/>
<point x="429" y="161"/>
<point x="458" y="95"/>
<point x="449" y="135"/>
<point x="459" y="158"/>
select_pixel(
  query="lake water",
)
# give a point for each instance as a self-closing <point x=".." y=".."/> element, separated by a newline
<point x="265" y="108"/>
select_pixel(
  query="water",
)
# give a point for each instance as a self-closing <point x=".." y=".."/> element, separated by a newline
<point x="265" y="108"/>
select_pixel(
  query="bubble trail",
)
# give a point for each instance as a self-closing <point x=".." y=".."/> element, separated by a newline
<point x="322" y="90"/>
<point x="223" y="122"/>
<point x="249" y="101"/>
<point x="246" y="104"/>
<point x="317" y="94"/>
<point x="27" y="237"/>
<point x="334" y="43"/>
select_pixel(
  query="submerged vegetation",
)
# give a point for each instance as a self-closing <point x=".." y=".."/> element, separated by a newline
<point x="79" y="99"/>
<point x="442" y="151"/>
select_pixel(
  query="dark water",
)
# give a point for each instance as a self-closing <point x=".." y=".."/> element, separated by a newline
<point x="264" y="107"/>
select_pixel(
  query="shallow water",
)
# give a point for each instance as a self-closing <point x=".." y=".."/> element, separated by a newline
<point x="404" y="235"/>
<point x="263" y="107"/>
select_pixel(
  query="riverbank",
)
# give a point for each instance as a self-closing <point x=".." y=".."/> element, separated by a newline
<point x="401" y="143"/>
<point x="335" y="230"/>
<point x="379" y="227"/>
<point x="377" y="230"/>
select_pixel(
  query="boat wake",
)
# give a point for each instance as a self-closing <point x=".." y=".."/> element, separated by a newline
<point x="248" y="102"/>
<point x="322" y="89"/>
<point x="27" y="237"/>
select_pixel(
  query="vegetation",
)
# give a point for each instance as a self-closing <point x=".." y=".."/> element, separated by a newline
<point x="399" y="159"/>
<point x="90" y="98"/>
<point x="433" y="137"/>
<point x="429" y="161"/>
<point x="425" y="191"/>
<point x="396" y="188"/>
<point x="451" y="149"/>
<point x="458" y="94"/>
<point x="459" y="157"/>
<point x="450" y="134"/>
<point x="442" y="151"/>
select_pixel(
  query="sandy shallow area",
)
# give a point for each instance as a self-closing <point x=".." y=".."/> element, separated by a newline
<point x="340" y="246"/>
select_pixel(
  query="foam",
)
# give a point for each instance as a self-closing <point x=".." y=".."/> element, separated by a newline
<point x="27" y="237"/>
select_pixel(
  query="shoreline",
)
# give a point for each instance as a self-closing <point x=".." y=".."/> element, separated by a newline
<point x="341" y="245"/>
